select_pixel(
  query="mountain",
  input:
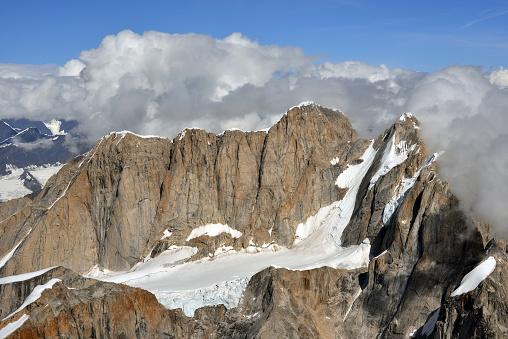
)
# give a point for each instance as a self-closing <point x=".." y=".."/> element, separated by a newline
<point x="29" y="149"/>
<point x="300" y="231"/>
<point x="64" y="126"/>
<point x="6" y="131"/>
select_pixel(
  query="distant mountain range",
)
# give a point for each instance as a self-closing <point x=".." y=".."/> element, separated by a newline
<point x="32" y="146"/>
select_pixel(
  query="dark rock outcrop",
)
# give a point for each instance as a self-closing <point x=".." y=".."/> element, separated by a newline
<point x="30" y="182"/>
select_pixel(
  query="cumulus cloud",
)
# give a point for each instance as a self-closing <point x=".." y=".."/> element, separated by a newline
<point x="499" y="78"/>
<point x="465" y="114"/>
<point x="72" y="68"/>
<point x="159" y="83"/>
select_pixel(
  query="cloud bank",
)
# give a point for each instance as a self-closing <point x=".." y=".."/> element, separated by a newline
<point x="159" y="83"/>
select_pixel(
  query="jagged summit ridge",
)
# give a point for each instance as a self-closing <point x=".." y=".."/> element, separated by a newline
<point x="128" y="191"/>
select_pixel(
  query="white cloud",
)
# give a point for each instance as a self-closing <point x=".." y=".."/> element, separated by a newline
<point x="499" y="78"/>
<point x="14" y="71"/>
<point x="159" y="83"/>
<point x="71" y="69"/>
<point x="463" y="113"/>
<point x="353" y="70"/>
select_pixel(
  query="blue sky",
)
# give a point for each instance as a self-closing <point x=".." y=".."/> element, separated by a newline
<point x="443" y="61"/>
<point x="418" y="35"/>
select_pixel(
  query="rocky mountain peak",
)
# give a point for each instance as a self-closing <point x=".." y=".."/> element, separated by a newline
<point x="310" y="119"/>
<point x="373" y="241"/>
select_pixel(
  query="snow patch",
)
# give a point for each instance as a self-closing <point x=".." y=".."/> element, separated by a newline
<point x="476" y="276"/>
<point x="23" y="277"/>
<point x="222" y="250"/>
<point x="10" y="328"/>
<point x="249" y="316"/>
<point x="353" y="174"/>
<point x="167" y="234"/>
<point x="61" y="196"/>
<point x="302" y="104"/>
<point x="381" y="254"/>
<point x="98" y="273"/>
<point x="394" y="155"/>
<point x="334" y="161"/>
<point x="357" y="294"/>
<point x="9" y="255"/>
<point x="93" y="150"/>
<point x="227" y="293"/>
<point x="213" y="230"/>
<point x="304" y="229"/>
<point x="405" y="116"/>
<point x="330" y="221"/>
<point x="402" y="189"/>
<point x="182" y="133"/>
<point x="125" y="132"/>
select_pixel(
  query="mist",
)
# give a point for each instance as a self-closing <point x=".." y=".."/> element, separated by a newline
<point x="159" y="83"/>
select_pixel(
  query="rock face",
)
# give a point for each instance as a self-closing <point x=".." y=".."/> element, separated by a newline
<point x="480" y="313"/>
<point x="127" y="190"/>
<point x="294" y="304"/>
<point x="130" y="198"/>
<point x="76" y="307"/>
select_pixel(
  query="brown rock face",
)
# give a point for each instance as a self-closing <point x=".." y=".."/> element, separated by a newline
<point x="112" y="205"/>
<point x="96" y="309"/>
<point x="294" y="304"/>
<point x="290" y="304"/>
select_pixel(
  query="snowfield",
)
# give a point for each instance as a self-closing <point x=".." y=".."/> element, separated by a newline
<point x="221" y="280"/>
<point x="12" y="186"/>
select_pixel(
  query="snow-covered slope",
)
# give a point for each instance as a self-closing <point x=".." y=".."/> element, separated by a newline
<point x="12" y="185"/>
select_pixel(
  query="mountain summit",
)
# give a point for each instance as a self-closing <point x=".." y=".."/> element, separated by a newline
<point x="299" y="231"/>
